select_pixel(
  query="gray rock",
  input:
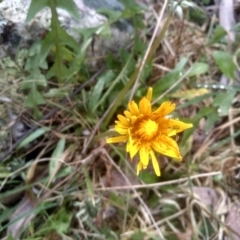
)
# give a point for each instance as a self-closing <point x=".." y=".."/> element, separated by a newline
<point x="16" y="34"/>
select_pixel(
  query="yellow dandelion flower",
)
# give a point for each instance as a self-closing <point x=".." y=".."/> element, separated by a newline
<point x="147" y="131"/>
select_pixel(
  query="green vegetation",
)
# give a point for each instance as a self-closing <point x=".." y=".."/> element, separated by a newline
<point x="62" y="181"/>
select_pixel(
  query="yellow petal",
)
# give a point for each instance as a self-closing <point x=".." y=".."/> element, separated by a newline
<point x="164" y="109"/>
<point x="145" y="107"/>
<point x="149" y="94"/>
<point x="121" y="130"/>
<point x="144" y="166"/>
<point x="133" y="108"/>
<point x="155" y="163"/>
<point x="127" y="114"/>
<point x="133" y="119"/>
<point x="123" y="120"/>
<point x="117" y="139"/>
<point x="179" y="126"/>
<point x="171" y="133"/>
<point x="132" y="148"/>
<point x="139" y="167"/>
<point x="167" y="146"/>
<point x="144" y="156"/>
<point x="120" y="124"/>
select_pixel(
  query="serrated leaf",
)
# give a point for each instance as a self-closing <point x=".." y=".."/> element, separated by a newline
<point x="35" y="7"/>
<point x="61" y="38"/>
<point x="36" y="78"/>
<point x="198" y="69"/>
<point x="105" y="31"/>
<point x="33" y="136"/>
<point x="113" y="16"/>
<point x="224" y="101"/>
<point x="32" y="62"/>
<point x="224" y="60"/>
<point x="58" y="67"/>
<point x="34" y="98"/>
<point x="190" y="94"/>
<point x="57" y="153"/>
<point x="131" y="9"/>
<point x="69" y="6"/>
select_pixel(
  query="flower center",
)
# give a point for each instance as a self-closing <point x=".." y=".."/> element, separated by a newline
<point x="147" y="129"/>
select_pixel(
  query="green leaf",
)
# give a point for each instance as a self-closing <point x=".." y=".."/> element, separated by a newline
<point x="57" y="36"/>
<point x="212" y="118"/>
<point x="39" y="132"/>
<point x="166" y="82"/>
<point x="194" y="101"/>
<point x="113" y="16"/>
<point x="138" y="235"/>
<point x="170" y="78"/>
<point x="198" y="69"/>
<point x="224" y="101"/>
<point x="34" y="98"/>
<point x="218" y="35"/>
<point x="88" y="181"/>
<point x="225" y="63"/>
<point x="204" y="112"/>
<point x="36" y="78"/>
<point x="206" y="228"/>
<point x="168" y="209"/>
<point x="148" y="177"/>
<point x="4" y="172"/>
<point x="57" y="153"/>
<point x="61" y="221"/>
<point x="180" y="65"/>
<point x="35" y="7"/>
<point x="57" y="67"/>
<point x="69" y="6"/>
<point x="138" y="22"/>
<point x="97" y="91"/>
<point x="131" y="9"/>
<point x="56" y="93"/>
<point x="32" y="62"/>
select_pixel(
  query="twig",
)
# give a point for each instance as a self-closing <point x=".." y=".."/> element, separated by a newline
<point x="160" y="18"/>
<point x="160" y="184"/>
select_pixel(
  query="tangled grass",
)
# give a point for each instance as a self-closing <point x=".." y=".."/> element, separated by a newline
<point x="64" y="182"/>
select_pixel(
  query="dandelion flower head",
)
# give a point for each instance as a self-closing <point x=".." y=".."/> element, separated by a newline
<point x="147" y="131"/>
